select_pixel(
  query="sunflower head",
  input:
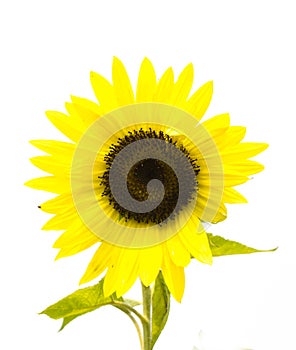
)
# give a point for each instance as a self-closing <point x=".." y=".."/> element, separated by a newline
<point x="141" y="182"/>
<point x="141" y="176"/>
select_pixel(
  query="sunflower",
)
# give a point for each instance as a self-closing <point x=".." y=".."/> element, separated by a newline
<point x="141" y="176"/>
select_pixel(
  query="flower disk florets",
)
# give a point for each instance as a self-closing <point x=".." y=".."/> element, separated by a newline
<point x="147" y="169"/>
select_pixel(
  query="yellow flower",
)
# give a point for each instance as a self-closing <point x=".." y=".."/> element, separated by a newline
<point x="119" y="145"/>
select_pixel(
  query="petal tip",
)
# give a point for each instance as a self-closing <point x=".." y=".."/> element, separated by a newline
<point x="30" y="183"/>
<point x="92" y="75"/>
<point x="82" y="280"/>
<point x="116" y="60"/>
<point x="210" y="84"/>
<point x="146" y="60"/>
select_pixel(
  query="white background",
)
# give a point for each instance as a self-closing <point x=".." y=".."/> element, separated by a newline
<point x="248" y="49"/>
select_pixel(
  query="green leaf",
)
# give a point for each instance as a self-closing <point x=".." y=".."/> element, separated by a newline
<point x="160" y="307"/>
<point x="221" y="246"/>
<point x="83" y="301"/>
<point x="67" y="320"/>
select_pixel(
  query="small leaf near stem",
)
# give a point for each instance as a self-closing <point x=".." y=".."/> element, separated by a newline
<point x="160" y="307"/>
<point x="156" y="307"/>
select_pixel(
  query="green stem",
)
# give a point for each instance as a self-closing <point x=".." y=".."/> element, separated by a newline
<point x="129" y="310"/>
<point x="120" y="304"/>
<point x="147" y="326"/>
<point x="138" y="330"/>
<point x="135" y="324"/>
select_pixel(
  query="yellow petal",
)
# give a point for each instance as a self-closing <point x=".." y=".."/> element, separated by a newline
<point x="67" y="125"/>
<point x="232" y="136"/>
<point x="76" y="233"/>
<point x="76" y="119"/>
<point x="100" y="261"/>
<point x="53" y="165"/>
<point x="197" y="244"/>
<point x="128" y="270"/>
<point x="234" y="179"/>
<point x="150" y="260"/>
<point x="58" y="204"/>
<point x="75" y="248"/>
<point x="84" y="102"/>
<point x="173" y="275"/>
<point x="221" y="121"/>
<point x="200" y="100"/>
<point x="229" y="177"/>
<point x="73" y="113"/>
<point x="230" y="195"/>
<point x="53" y="184"/>
<point x="209" y="205"/>
<point x="183" y="86"/>
<point x="63" y="220"/>
<point x="179" y="254"/>
<point x="87" y="115"/>
<point x="165" y="87"/>
<point x="121" y="82"/>
<point x="146" y="86"/>
<point x="221" y="214"/>
<point x="54" y="147"/>
<point x="123" y="274"/>
<point x="104" y="92"/>
<point x="111" y="277"/>
<point x="247" y="167"/>
<point x="243" y="151"/>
